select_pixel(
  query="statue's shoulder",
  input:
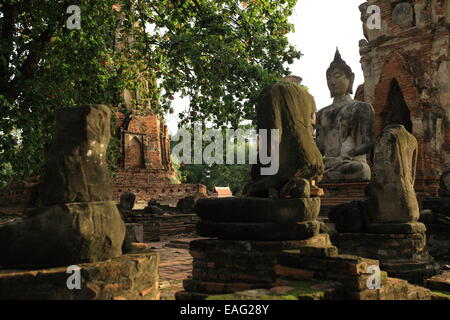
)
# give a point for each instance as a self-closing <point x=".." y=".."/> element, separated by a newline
<point x="324" y="109"/>
<point x="363" y="106"/>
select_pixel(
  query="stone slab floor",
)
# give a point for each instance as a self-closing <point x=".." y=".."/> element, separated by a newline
<point x="175" y="263"/>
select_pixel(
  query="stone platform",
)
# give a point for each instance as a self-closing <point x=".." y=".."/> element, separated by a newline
<point x="221" y="266"/>
<point x="310" y="269"/>
<point x="129" y="277"/>
<point x="440" y="286"/>
<point x="351" y="275"/>
<point x="403" y="256"/>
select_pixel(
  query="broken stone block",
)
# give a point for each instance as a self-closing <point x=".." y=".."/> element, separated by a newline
<point x="79" y="222"/>
<point x="105" y="280"/>
<point x="76" y="169"/>
<point x="391" y="193"/>
<point x="63" y="234"/>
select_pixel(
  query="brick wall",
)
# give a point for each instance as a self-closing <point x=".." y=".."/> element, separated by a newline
<point x="146" y="169"/>
<point x="165" y="194"/>
<point x="416" y="57"/>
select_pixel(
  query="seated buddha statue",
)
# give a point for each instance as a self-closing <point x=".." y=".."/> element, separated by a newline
<point x="345" y="130"/>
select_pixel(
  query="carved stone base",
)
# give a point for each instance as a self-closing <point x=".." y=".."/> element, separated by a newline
<point x="262" y="219"/>
<point x="403" y="256"/>
<point x="221" y="266"/>
<point x="129" y="277"/>
<point x="61" y="235"/>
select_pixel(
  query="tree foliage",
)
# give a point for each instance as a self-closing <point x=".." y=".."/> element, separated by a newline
<point x="220" y="53"/>
<point x="235" y="175"/>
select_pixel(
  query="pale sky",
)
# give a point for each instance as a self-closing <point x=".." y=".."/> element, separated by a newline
<point x="320" y="27"/>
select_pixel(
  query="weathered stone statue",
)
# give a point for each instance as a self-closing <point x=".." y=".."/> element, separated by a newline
<point x="127" y="201"/>
<point x="392" y="198"/>
<point x="444" y="190"/>
<point x="386" y="225"/>
<point x="78" y="221"/>
<point x="290" y="109"/>
<point x="282" y="206"/>
<point x="437" y="211"/>
<point x="345" y="130"/>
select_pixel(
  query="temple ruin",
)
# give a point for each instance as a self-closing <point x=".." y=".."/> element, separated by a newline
<point x="407" y="79"/>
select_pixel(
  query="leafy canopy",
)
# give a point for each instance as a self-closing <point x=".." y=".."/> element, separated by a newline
<point x="219" y="52"/>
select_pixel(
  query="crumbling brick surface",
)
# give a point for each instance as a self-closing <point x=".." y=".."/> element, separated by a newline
<point x="412" y="52"/>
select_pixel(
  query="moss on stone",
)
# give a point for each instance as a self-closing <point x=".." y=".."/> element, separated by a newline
<point x="304" y="289"/>
<point x="301" y="290"/>
<point x="227" y="297"/>
<point x="279" y="297"/>
<point x="442" y="294"/>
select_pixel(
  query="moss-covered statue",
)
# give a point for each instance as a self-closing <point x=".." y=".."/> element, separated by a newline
<point x="288" y="107"/>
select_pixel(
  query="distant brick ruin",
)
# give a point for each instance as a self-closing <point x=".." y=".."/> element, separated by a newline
<point x="145" y="167"/>
<point x="407" y="79"/>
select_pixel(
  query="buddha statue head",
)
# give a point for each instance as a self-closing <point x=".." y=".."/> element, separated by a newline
<point x="340" y="77"/>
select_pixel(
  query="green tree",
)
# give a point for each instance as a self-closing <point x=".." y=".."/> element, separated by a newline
<point x="235" y="175"/>
<point x="220" y="53"/>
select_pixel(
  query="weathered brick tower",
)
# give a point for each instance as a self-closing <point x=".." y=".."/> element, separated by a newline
<point x="407" y="78"/>
<point x="145" y="152"/>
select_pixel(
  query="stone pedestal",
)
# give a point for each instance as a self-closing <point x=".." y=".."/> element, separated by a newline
<point x="130" y="277"/>
<point x="252" y="232"/>
<point x="63" y="234"/>
<point x="402" y="255"/>
<point x="77" y="221"/>
<point x="222" y="267"/>
<point x="388" y="229"/>
<point x="261" y="219"/>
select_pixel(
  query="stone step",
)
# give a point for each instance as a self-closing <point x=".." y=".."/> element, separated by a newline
<point x="439" y="282"/>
